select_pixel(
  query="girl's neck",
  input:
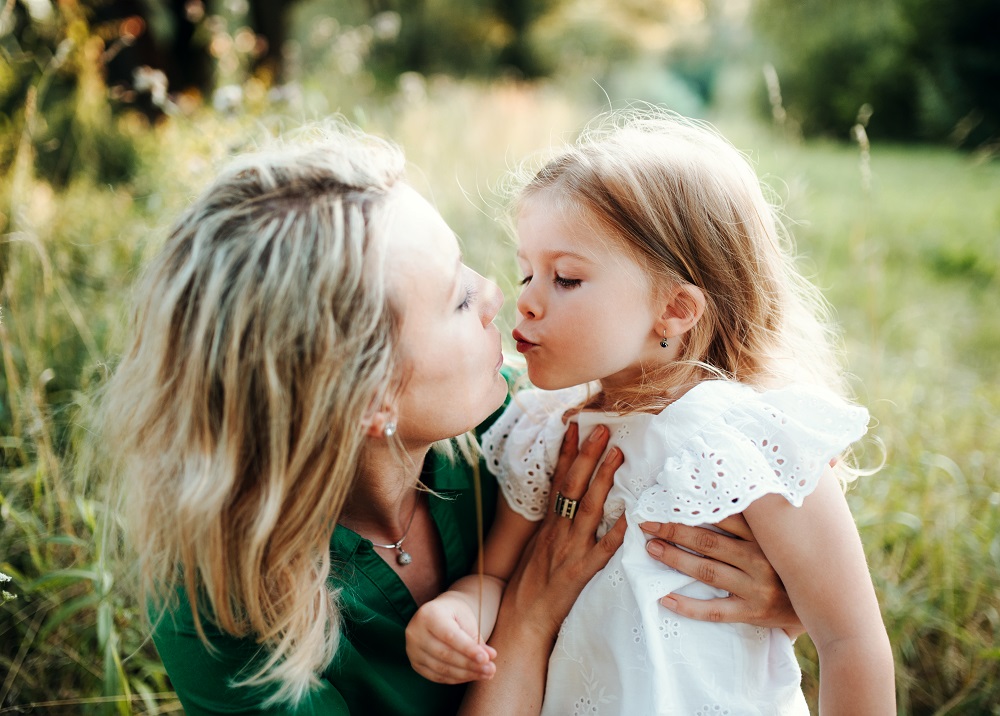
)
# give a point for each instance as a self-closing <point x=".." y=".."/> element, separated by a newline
<point x="644" y="398"/>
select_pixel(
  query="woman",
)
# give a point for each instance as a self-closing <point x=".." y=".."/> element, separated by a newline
<point x="304" y="338"/>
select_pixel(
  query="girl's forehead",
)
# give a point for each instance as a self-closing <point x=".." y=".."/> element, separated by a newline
<point x="565" y="228"/>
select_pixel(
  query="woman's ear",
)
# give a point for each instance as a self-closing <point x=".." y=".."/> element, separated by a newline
<point x="685" y="304"/>
<point x="380" y="423"/>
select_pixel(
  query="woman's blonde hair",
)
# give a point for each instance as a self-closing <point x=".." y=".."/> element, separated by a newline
<point x="262" y="337"/>
<point x="689" y="207"/>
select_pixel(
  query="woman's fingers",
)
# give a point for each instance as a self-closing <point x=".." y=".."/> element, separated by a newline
<point x="567" y="454"/>
<point x="741" y="553"/>
<point x="712" y="572"/>
<point x="735" y="564"/>
<point x="575" y="468"/>
<point x="590" y="511"/>
<point x="710" y="610"/>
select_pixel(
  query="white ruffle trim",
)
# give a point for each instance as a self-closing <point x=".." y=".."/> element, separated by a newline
<point x="522" y="446"/>
<point x="774" y="442"/>
<point x="721" y="446"/>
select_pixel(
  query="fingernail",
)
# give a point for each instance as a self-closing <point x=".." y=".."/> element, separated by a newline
<point x="654" y="548"/>
<point x="614" y="458"/>
<point x="597" y="434"/>
<point x="669" y="602"/>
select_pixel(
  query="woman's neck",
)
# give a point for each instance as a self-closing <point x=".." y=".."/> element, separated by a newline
<point x="382" y="500"/>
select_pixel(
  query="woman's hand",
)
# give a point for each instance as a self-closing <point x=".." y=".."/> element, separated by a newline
<point x="734" y="563"/>
<point x="562" y="556"/>
<point x="564" y="553"/>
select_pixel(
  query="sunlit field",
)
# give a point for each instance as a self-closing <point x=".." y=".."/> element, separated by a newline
<point x="905" y="243"/>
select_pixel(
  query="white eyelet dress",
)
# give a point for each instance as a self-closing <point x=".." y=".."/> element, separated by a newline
<point x="705" y="457"/>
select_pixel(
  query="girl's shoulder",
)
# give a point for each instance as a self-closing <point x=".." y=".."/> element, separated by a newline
<point x="521" y="448"/>
<point x="794" y="410"/>
<point x="728" y="444"/>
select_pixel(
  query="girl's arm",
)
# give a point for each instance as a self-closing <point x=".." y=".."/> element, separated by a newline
<point x="445" y="640"/>
<point x="817" y="552"/>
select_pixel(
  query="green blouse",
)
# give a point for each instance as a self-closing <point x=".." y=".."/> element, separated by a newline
<point x="370" y="673"/>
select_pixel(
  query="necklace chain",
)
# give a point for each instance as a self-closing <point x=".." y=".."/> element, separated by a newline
<point x="403" y="557"/>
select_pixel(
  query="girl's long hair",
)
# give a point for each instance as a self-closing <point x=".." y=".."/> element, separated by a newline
<point x="689" y="207"/>
<point x="262" y="336"/>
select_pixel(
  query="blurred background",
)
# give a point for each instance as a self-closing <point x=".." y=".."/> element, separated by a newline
<point x="875" y="122"/>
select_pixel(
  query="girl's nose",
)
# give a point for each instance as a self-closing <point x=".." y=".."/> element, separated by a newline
<point x="527" y="304"/>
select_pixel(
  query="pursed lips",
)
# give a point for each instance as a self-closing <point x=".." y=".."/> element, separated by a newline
<point x="523" y="344"/>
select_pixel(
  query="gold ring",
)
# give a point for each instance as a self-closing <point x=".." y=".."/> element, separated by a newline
<point x="565" y="507"/>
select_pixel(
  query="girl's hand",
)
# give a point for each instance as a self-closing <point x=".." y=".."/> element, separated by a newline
<point x="734" y="563"/>
<point x="442" y="644"/>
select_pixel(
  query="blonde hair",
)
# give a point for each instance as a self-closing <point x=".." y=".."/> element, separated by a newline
<point x="689" y="207"/>
<point x="262" y="337"/>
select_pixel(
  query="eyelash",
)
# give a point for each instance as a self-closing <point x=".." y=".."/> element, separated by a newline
<point x="470" y="297"/>
<point x="558" y="280"/>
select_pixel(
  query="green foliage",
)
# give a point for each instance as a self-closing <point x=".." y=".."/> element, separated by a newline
<point x="903" y="241"/>
<point x="909" y="259"/>
<point x="52" y="95"/>
<point x="929" y="68"/>
<point x="463" y="39"/>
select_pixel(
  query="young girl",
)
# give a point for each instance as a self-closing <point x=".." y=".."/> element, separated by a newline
<point x="659" y="302"/>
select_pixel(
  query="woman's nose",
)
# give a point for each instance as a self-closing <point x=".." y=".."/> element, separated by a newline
<point x="492" y="301"/>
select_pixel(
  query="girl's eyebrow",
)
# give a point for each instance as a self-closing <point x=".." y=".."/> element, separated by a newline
<point x="553" y="255"/>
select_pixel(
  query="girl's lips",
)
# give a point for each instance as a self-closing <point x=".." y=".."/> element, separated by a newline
<point x="523" y="344"/>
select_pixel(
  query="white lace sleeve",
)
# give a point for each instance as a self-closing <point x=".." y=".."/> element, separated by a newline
<point x="775" y="442"/>
<point x="522" y="447"/>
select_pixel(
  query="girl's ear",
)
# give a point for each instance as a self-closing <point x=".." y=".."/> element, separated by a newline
<point x="684" y="308"/>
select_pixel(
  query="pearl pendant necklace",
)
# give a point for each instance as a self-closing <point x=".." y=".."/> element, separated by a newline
<point x="403" y="557"/>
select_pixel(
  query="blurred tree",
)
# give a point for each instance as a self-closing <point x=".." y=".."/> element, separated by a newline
<point x="518" y="52"/>
<point x="53" y="99"/>
<point x="269" y="19"/>
<point x="928" y="68"/>
<point x="955" y="49"/>
<point x="457" y="37"/>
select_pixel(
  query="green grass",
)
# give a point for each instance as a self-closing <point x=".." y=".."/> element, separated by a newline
<point x="910" y="262"/>
<point x="911" y="266"/>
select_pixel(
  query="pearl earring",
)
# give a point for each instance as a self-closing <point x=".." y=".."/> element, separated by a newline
<point x="389" y="430"/>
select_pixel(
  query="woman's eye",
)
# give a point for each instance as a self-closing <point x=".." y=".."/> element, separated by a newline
<point x="470" y="298"/>
<point x="567" y="282"/>
<point x="525" y="281"/>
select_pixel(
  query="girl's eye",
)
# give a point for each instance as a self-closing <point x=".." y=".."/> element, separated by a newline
<point x="470" y="298"/>
<point x="567" y="282"/>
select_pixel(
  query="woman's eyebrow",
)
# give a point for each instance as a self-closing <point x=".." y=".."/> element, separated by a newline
<point x="457" y="284"/>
